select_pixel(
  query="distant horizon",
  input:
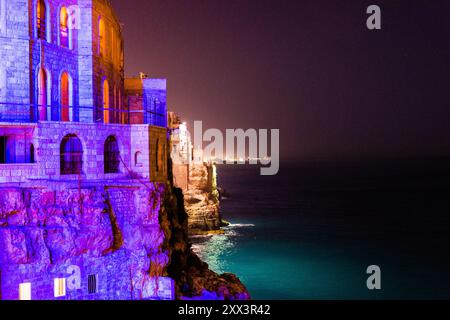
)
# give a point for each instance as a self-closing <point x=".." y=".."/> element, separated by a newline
<point x="348" y="159"/>
<point x="309" y="68"/>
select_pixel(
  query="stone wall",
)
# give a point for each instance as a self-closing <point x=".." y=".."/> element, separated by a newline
<point x="49" y="136"/>
<point x="22" y="55"/>
<point x="14" y="60"/>
<point x="110" y="66"/>
<point x="63" y="230"/>
<point x="54" y="59"/>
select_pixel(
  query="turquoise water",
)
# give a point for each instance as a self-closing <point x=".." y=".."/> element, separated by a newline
<point x="311" y="231"/>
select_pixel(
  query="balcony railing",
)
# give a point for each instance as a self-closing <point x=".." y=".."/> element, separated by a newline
<point x="14" y="112"/>
<point x="30" y="113"/>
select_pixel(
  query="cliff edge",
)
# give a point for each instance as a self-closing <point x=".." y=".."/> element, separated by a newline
<point x="193" y="278"/>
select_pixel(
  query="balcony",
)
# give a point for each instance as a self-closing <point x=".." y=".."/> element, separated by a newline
<point x="29" y="113"/>
<point x="16" y="113"/>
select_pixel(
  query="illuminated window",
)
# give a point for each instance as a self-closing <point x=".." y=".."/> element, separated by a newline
<point x="60" y="287"/>
<point x="71" y="155"/>
<point x="111" y="155"/>
<point x="65" y="97"/>
<point x="106" y="102"/>
<point x="25" y="291"/>
<point x="63" y="28"/>
<point x="43" y="95"/>
<point x="41" y="20"/>
<point x="102" y="37"/>
<point x="92" y="283"/>
<point x="115" y="105"/>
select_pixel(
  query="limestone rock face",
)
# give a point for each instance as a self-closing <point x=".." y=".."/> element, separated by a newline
<point x="193" y="279"/>
<point x="126" y="235"/>
<point x="201" y="199"/>
<point x="113" y="232"/>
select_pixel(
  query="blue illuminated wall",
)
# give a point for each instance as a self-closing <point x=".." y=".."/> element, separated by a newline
<point x="14" y="60"/>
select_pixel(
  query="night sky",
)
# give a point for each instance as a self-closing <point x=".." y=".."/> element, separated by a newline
<point x="310" y="68"/>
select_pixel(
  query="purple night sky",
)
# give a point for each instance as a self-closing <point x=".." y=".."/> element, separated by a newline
<point x="310" y="68"/>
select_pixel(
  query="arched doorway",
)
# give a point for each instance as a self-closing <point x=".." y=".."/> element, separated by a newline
<point x="71" y="155"/>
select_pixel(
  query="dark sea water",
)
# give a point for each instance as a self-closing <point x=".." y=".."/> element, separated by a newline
<point x="311" y="231"/>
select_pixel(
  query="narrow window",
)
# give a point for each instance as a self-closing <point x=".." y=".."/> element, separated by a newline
<point x="65" y="99"/>
<point x="115" y="105"/>
<point x="111" y="155"/>
<point x="60" y="287"/>
<point x="71" y="155"/>
<point x="3" y="150"/>
<point x="157" y="155"/>
<point x="92" y="283"/>
<point x="106" y="102"/>
<point x="32" y="158"/>
<point x="137" y="159"/>
<point x="42" y="95"/>
<point x="41" y="20"/>
<point x="25" y="291"/>
<point x="102" y="37"/>
<point x="64" y="28"/>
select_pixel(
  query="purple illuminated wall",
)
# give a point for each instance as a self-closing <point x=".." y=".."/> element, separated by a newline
<point x="97" y="230"/>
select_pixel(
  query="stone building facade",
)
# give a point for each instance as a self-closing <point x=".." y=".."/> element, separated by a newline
<point x="69" y="134"/>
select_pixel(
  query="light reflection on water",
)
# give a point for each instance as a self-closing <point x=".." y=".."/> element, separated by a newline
<point x="215" y="249"/>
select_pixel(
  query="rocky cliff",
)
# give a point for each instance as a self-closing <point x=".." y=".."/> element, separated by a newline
<point x="192" y="276"/>
<point x="201" y="199"/>
<point x="111" y="232"/>
<point x="129" y="235"/>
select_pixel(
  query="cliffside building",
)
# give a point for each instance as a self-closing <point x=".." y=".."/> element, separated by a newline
<point x="83" y="157"/>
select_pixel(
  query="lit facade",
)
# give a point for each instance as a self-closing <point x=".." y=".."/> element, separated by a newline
<point x="72" y="135"/>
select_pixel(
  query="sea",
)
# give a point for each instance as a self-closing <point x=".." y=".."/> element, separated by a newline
<point x="312" y="231"/>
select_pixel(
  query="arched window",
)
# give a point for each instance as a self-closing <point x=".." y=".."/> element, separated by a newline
<point x="41" y="20"/>
<point x="105" y="101"/>
<point x="102" y="37"/>
<point x="64" y="28"/>
<point x="43" y="95"/>
<point x="111" y="155"/>
<point x="66" y="92"/>
<point x="71" y="155"/>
